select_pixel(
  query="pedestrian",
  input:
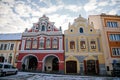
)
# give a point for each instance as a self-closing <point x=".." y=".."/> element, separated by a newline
<point x="23" y="66"/>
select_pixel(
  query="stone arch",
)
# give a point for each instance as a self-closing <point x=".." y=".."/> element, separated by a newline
<point x="50" y="63"/>
<point x="72" y="65"/>
<point x="91" y="65"/>
<point x="29" y="62"/>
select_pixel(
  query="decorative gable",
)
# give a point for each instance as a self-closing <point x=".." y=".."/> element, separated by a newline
<point x="43" y="25"/>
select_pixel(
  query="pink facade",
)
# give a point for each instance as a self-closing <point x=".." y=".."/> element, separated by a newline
<point x="42" y="48"/>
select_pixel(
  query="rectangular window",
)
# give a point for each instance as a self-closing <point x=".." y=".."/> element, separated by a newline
<point x="28" y="44"/>
<point x="55" y="43"/>
<point x="114" y="37"/>
<point x="34" y="44"/>
<point x="112" y="24"/>
<point x="5" y="46"/>
<point x="72" y="45"/>
<point x="48" y="43"/>
<point x="1" y="47"/>
<point x="41" y="43"/>
<point x="12" y="47"/>
<point x="93" y="45"/>
<point x="116" y="51"/>
<point x="82" y="44"/>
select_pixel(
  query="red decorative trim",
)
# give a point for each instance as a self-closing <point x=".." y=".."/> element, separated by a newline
<point x="51" y="42"/>
<point x="63" y="42"/>
<point x="31" y="43"/>
<point x="97" y="66"/>
<point x="25" y="44"/>
<point x="85" y="71"/>
<point x="38" y="42"/>
<point x="45" y="43"/>
<point x="58" y="42"/>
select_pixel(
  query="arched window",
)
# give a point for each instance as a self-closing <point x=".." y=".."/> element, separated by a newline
<point x="72" y="45"/>
<point x="43" y="28"/>
<point x="34" y="44"/>
<point x="41" y="43"/>
<point x="93" y="45"/>
<point x="82" y="44"/>
<point x="48" y="43"/>
<point x="81" y="30"/>
<point x="28" y="44"/>
<point x="54" y="43"/>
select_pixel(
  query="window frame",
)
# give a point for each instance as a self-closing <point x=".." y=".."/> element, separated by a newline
<point x="55" y="43"/>
<point x="34" y="44"/>
<point x="81" y="30"/>
<point x="72" y="44"/>
<point x="28" y="44"/>
<point x="82" y="44"/>
<point x="93" y="44"/>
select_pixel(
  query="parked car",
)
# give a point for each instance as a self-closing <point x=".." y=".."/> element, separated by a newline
<point x="7" y="68"/>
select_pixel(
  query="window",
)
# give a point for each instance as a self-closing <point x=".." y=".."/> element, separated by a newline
<point x="93" y="45"/>
<point x="12" y="46"/>
<point x="82" y="44"/>
<point x="41" y="43"/>
<point x="7" y="66"/>
<point x="72" y="45"/>
<point x="34" y="44"/>
<point x="81" y="30"/>
<point x="112" y="24"/>
<point x="10" y="59"/>
<point x="114" y="37"/>
<point x="116" y="51"/>
<point x="1" y="47"/>
<point x="28" y="44"/>
<point x="55" y="43"/>
<point x="5" y="46"/>
<point x="43" y="28"/>
<point x="71" y="30"/>
<point x="48" y="43"/>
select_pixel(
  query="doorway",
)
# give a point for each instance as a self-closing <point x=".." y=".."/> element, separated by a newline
<point x="51" y="64"/>
<point x="90" y="67"/>
<point x="71" y="67"/>
<point x="30" y="63"/>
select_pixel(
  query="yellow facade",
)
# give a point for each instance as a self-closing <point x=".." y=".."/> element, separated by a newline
<point x="9" y="48"/>
<point x="83" y="43"/>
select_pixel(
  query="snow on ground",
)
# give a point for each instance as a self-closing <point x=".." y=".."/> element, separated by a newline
<point x="68" y="77"/>
<point x="44" y="76"/>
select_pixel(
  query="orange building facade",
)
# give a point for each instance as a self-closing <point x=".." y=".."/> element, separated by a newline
<point x="110" y="31"/>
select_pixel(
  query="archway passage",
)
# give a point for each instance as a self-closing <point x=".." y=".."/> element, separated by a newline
<point x="90" y="67"/>
<point x="55" y="64"/>
<point x="30" y="63"/>
<point x="2" y="59"/>
<point x="71" y="67"/>
<point x="51" y="64"/>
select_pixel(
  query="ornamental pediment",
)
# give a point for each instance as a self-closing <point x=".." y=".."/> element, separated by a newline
<point x="43" y="25"/>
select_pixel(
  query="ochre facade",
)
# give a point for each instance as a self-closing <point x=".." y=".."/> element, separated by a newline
<point x="83" y="49"/>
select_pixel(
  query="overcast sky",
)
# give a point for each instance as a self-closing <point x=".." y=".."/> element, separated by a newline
<point x="16" y="15"/>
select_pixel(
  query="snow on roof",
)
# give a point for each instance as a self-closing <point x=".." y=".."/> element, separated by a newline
<point x="13" y="36"/>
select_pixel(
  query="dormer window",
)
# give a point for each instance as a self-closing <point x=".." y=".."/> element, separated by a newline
<point x="81" y="30"/>
<point x="43" y="28"/>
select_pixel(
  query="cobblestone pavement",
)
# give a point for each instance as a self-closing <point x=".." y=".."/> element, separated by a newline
<point x="42" y="76"/>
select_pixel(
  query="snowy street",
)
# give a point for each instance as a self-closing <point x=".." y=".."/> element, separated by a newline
<point x="43" y="76"/>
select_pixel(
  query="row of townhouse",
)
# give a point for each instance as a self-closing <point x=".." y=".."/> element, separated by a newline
<point x="89" y="47"/>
